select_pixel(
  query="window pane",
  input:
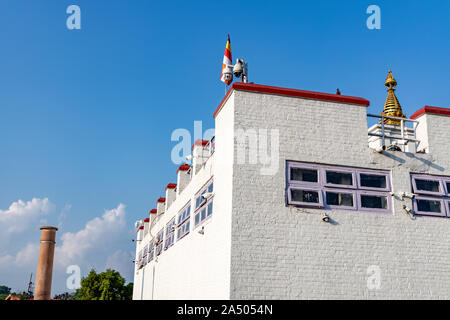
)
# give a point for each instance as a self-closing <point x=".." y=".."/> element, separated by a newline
<point x="210" y="208"/>
<point x="305" y="196"/>
<point x="343" y="178"/>
<point x="429" y="206"/>
<point x="306" y="175"/>
<point x="427" y="185"/>
<point x="373" y="181"/>
<point x="210" y="188"/>
<point x="373" y="202"/>
<point x="339" y="199"/>
<point x="448" y="187"/>
<point x="197" y="218"/>
<point x="203" y="214"/>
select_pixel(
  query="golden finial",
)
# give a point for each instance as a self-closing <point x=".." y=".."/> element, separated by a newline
<point x="392" y="106"/>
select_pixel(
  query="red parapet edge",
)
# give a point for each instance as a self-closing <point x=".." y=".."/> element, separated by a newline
<point x="200" y="142"/>
<point x="251" y="87"/>
<point x="431" y="110"/>
<point x="161" y="200"/>
<point x="183" y="167"/>
<point x="171" y="186"/>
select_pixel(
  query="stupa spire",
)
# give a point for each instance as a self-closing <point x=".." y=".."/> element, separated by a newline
<point x="392" y="106"/>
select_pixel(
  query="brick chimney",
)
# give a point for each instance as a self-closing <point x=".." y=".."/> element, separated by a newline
<point x="183" y="177"/>
<point x="45" y="264"/>
<point x="171" y="194"/>
<point x="199" y="154"/>
<point x="160" y="206"/>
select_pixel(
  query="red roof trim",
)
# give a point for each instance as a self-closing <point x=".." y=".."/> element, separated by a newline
<point x="251" y="87"/>
<point x="171" y="186"/>
<point x="146" y="219"/>
<point x="200" y="142"/>
<point x="431" y="110"/>
<point x="161" y="200"/>
<point x="141" y="227"/>
<point x="184" y="167"/>
<point x="153" y="211"/>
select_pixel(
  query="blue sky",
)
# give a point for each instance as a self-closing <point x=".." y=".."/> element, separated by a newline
<point x="87" y="115"/>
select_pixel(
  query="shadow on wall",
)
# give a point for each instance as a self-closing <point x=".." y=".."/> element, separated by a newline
<point x="413" y="156"/>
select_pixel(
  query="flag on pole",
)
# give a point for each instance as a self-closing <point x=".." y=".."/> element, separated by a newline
<point x="227" y="78"/>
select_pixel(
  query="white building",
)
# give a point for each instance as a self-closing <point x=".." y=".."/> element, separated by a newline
<point x="281" y="160"/>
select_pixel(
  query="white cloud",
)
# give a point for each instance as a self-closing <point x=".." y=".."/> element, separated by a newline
<point x="102" y="243"/>
<point x="21" y="215"/>
<point x="97" y="235"/>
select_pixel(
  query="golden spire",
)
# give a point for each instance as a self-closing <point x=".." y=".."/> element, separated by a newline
<point x="392" y="106"/>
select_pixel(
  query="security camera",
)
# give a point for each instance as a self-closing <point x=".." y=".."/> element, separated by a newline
<point x="407" y="209"/>
<point x="325" y="218"/>
<point x="202" y="230"/>
<point x="137" y="224"/>
<point x="408" y="195"/>
<point x="207" y="195"/>
<point x="189" y="157"/>
<point x="238" y="68"/>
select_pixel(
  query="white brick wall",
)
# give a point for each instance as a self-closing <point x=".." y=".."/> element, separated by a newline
<point x="255" y="247"/>
<point x="278" y="252"/>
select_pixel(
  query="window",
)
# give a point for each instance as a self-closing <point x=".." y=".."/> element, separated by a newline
<point x="203" y="204"/>
<point x="144" y="256"/>
<point x="184" y="222"/>
<point x="332" y="187"/>
<point x="159" y="242"/>
<point x="432" y="195"/>
<point x="170" y="234"/>
<point x="151" y="251"/>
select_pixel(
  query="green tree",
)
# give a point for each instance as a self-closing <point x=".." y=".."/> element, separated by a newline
<point x="64" y="296"/>
<point x="4" y="292"/>
<point x="108" y="285"/>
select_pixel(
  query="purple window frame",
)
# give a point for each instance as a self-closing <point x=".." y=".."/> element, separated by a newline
<point x="336" y="190"/>
<point x="303" y="166"/>
<point x="306" y="204"/>
<point x="444" y="207"/>
<point x="160" y="243"/>
<point x="322" y="187"/>
<point x="374" y="173"/>
<point x="203" y="204"/>
<point x="374" y="193"/>
<point x="151" y="251"/>
<point x="338" y="170"/>
<point x="447" y="206"/>
<point x="170" y="234"/>
<point x="184" y="224"/>
<point x="430" y="178"/>
<point x="447" y="189"/>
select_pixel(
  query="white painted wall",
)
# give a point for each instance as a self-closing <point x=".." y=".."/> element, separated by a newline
<point x="197" y="266"/>
<point x="283" y="253"/>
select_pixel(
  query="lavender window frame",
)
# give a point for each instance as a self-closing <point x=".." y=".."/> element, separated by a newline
<point x="374" y="193"/>
<point x="151" y="251"/>
<point x="183" y="224"/>
<point x="430" y="178"/>
<point x="170" y="234"/>
<point x="446" y="187"/>
<point x="336" y="190"/>
<point x="160" y="243"/>
<point x="447" y="207"/>
<point x="373" y="173"/>
<point x="338" y="170"/>
<point x="322" y="187"/>
<point x="204" y="204"/>
<point x="303" y="166"/>
<point x="305" y="204"/>
<point x="444" y="207"/>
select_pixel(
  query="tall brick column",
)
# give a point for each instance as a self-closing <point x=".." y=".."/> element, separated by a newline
<point x="45" y="264"/>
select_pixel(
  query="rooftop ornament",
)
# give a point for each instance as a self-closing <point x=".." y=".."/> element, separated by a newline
<point x="392" y="106"/>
